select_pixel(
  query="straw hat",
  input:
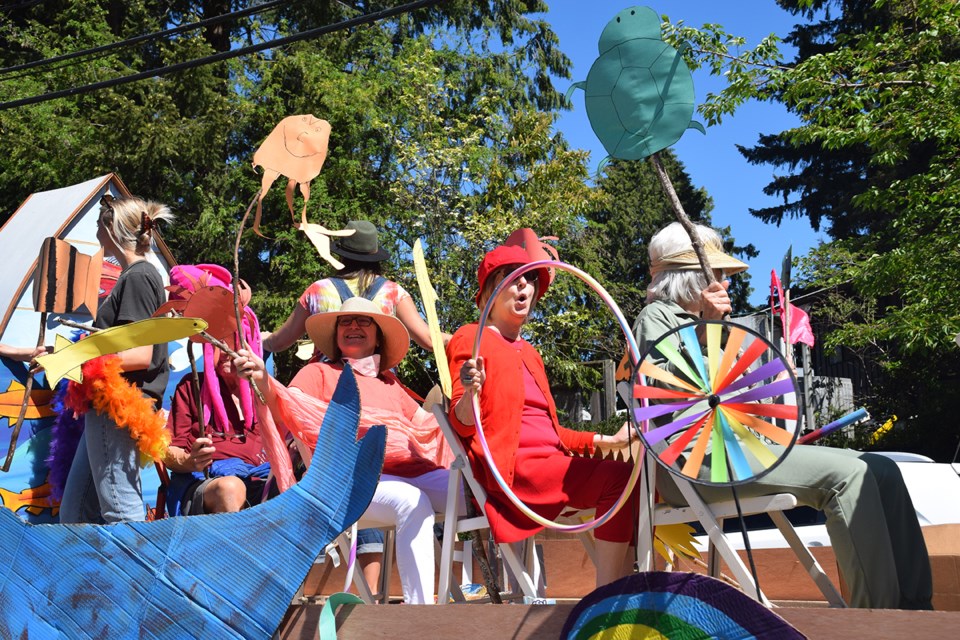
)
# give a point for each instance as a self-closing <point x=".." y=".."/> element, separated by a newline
<point x="322" y="329"/>
<point x="686" y="259"/>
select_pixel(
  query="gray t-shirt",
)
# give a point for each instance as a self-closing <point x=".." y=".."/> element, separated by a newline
<point x="137" y="294"/>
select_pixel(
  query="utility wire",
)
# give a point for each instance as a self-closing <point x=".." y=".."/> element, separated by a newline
<point x="225" y="55"/>
<point x="138" y="39"/>
<point x="809" y="294"/>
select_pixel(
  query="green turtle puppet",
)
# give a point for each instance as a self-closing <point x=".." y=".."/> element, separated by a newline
<point x="639" y="92"/>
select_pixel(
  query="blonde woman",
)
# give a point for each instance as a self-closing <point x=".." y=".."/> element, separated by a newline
<point x="104" y="481"/>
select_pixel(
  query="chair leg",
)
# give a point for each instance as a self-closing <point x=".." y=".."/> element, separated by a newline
<point x="517" y="569"/>
<point x="450" y="530"/>
<point x="714" y="529"/>
<point x="807" y="559"/>
<point x="713" y="560"/>
<point x="386" y="569"/>
<point x="646" y="522"/>
<point x="344" y="542"/>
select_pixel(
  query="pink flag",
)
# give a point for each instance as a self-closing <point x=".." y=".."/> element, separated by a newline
<point x="800" y="330"/>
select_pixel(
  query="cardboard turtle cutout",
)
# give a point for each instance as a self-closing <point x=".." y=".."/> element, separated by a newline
<point x="639" y="92"/>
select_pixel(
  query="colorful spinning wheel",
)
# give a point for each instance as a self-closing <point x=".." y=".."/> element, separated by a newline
<point x="711" y="414"/>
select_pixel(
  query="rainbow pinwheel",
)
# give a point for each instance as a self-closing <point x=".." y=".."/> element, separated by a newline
<point x="715" y="407"/>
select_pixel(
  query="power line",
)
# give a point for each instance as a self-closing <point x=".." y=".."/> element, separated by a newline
<point x="138" y="39"/>
<point x="225" y="55"/>
<point x="809" y="294"/>
<point x="25" y="4"/>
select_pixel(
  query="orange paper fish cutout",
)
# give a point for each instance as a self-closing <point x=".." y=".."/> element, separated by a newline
<point x="38" y="405"/>
<point x="297" y="149"/>
<point x="33" y="499"/>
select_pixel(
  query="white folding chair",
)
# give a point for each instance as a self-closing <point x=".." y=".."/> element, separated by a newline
<point x="711" y="517"/>
<point x="522" y="563"/>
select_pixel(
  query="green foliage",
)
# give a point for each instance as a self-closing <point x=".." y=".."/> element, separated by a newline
<point x="441" y="130"/>
<point x="875" y="161"/>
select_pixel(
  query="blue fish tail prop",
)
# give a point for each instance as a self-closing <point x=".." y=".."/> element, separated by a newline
<point x="215" y="576"/>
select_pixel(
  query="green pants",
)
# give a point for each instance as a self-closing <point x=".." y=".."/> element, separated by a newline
<point x="870" y="519"/>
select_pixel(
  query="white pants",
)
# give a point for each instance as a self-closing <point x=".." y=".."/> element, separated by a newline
<point x="409" y="504"/>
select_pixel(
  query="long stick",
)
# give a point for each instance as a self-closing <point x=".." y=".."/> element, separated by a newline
<point x="682" y="218"/>
<point x="28" y="388"/>
<point x="197" y="407"/>
<point x="237" y="307"/>
<point x="195" y="385"/>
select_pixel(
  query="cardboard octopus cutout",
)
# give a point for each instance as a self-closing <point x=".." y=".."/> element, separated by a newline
<point x="297" y="149"/>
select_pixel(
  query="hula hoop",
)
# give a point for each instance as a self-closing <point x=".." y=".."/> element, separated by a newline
<point x="631" y="344"/>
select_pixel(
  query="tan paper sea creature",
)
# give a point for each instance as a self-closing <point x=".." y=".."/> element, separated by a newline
<point x="297" y="149"/>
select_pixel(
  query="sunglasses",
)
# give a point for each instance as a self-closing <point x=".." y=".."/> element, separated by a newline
<point x="362" y="321"/>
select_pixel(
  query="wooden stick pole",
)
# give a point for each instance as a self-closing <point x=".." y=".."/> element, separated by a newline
<point x="682" y="217"/>
<point x="197" y="406"/>
<point x="237" y="307"/>
<point x="28" y="388"/>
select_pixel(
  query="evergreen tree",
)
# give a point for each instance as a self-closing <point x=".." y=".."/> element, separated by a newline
<point x="874" y="162"/>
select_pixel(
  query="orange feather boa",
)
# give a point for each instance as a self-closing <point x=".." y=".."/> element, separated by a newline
<point x="106" y="390"/>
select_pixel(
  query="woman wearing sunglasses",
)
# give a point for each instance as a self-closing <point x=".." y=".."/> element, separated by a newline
<point x="413" y="484"/>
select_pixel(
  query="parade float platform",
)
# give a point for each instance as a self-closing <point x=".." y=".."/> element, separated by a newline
<point x="521" y="622"/>
<point x="798" y="601"/>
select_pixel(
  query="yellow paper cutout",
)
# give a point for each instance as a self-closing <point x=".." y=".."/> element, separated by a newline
<point x="67" y="358"/>
<point x="676" y="539"/>
<point x="882" y="431"/>
<point x="429" y="296"/>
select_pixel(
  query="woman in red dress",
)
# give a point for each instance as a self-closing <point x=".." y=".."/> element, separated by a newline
<point x="530" y="449"/>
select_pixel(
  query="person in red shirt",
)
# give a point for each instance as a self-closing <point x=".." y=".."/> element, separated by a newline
<point x="226" y="469"/>
<point x="233" y="457"/>
<point x="519" y="417"/>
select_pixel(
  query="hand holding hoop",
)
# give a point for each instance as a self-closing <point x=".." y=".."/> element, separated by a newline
<point x="472" y="374"/>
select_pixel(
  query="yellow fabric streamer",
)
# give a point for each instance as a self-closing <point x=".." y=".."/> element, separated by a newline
<point x="429" y="296"/>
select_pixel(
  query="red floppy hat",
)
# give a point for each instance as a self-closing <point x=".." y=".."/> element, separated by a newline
<point x="507" y="255"/>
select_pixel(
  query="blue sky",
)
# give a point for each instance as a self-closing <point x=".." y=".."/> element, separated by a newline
<point x="712" y="161"/>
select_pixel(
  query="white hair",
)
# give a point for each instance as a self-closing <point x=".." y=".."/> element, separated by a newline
<point x="682" y="286"/>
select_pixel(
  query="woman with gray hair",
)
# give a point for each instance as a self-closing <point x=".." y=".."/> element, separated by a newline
<point x="870" y="517"/>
